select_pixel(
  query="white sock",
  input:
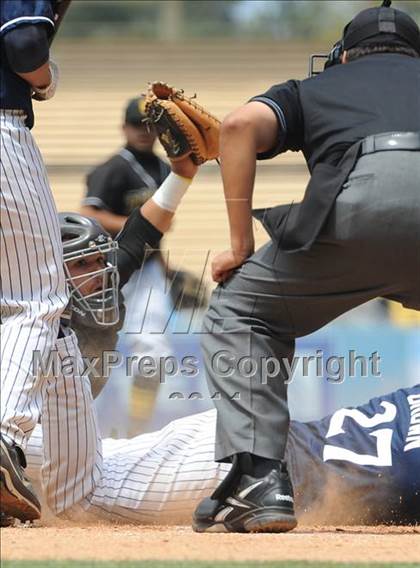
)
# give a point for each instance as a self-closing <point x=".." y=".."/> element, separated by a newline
<point x="171" y="192"/>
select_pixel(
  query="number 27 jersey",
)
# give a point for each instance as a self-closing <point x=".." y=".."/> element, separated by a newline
<point x="360" y="465"/>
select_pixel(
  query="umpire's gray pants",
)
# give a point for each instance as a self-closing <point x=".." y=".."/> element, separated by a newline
<point x="369" y="247"/>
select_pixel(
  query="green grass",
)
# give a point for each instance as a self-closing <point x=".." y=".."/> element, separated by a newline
<point x="196" y="564"/>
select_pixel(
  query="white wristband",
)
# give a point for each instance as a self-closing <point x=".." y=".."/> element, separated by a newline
<point x="171" y="192"/>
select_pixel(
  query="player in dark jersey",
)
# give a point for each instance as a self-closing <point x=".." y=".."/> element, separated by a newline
<point x="360" y="465"/>
<point x="114" y="189"/>
<point x="127" y="179"/>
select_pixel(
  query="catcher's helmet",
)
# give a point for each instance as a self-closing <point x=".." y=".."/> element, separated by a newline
<point x="83" y="237"/>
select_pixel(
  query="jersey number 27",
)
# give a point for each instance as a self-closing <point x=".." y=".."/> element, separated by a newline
<point x="383" y="436"/>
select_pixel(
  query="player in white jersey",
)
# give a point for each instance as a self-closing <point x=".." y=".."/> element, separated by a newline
<point x="33" y="289"/>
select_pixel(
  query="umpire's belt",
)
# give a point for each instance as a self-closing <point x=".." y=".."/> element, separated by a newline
<point x="391" y="141"/>
<point x="295" y="227"/>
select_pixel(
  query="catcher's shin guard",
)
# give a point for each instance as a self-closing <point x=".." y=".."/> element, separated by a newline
<point x="256" y="505"/>
<point x="17" y="497"/>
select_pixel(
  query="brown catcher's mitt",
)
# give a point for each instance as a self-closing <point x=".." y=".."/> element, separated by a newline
<point x="184" y="127"/>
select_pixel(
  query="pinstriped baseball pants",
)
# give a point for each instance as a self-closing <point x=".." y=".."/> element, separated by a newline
<point x="33" y="289"/>
<point x="150" y="478"/>
<point x="72" y="452"/>
<point x="153" y="478"/>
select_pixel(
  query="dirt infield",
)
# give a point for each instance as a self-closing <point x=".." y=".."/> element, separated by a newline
<point x="104" y="542"/>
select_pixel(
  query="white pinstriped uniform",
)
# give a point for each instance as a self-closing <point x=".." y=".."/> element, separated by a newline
<point x="33" y="289"/>
<point x="152" y="478"/>
<point x="71" y="453"/>
<point x="157" y="477"/>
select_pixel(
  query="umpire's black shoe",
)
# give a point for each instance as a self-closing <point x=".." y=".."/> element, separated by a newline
<point x="17" y="498"/>
<point x="6" y="521"/>
<point x="257" y="505"/>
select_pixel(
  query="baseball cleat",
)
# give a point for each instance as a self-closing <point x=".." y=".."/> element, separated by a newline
<point x="17" y="497"/>
<point x="257" y="505"/>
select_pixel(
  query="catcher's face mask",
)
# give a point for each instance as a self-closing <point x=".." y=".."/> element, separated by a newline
<point x="90" y="264"/>
<point x="92" y="277"/>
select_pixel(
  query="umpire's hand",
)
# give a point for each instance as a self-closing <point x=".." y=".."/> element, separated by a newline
<point x="225" y="263"/>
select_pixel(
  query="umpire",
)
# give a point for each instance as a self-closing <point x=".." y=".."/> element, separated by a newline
<point x="354" y="237"/>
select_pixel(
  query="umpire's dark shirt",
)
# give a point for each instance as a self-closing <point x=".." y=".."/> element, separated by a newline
<point x="324" y="115"/>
